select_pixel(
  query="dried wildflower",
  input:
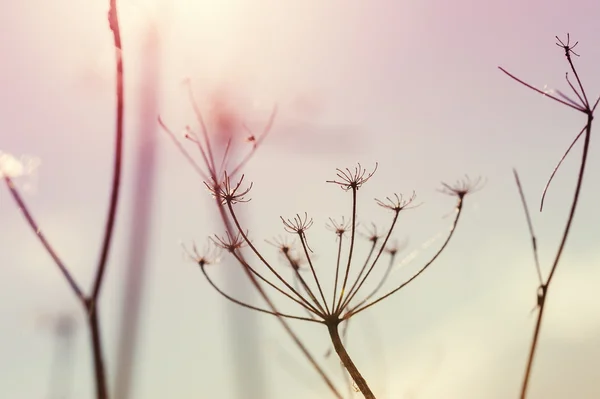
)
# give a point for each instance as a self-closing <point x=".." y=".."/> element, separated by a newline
<point x="339" y="228"/>
<point x="397" y="203"/>
<point x="463" y="187"/>
<point x="298" y="224"/>
<point x="228" y="194"/>
<point x="567" y="47"/>
<point x="282" y="244"/>
<point x="229" y="242"/>
<point x="372" y="234"/>
<point x="394" y="247"/>
<point x="352" y="180"/>
<point x="209" y="256"/>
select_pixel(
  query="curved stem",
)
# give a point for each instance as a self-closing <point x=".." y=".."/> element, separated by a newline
<point x="264" y="261"/>
<point x="347" y="361"/>
<point x="272" y="285"/>
<point x="283" y="321"/>
<point x="353" y="291"/>
<point x="444" y="245"/>
<point x="248" y="306"/>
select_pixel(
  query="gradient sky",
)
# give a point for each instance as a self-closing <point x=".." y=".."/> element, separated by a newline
<point x="411" y="85"/>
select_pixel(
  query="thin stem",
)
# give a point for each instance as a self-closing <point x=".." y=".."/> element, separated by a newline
<point x="530" y="226"/>
<point x="248" y="306"/>
<point x="200" y="119"/>
<point x="337" y="270"/>
<point x="299" y="278"/>
<point x="585" y="102"/>
<point x="547" y="186"/>
<point x="459" y="207"/>
<point x="545" y="287"/>
<point x="352" y="238"/>
<point x="347" y="361"/>
<point x="99" y="369"/>
<point x="118" y="156"/>
<point x="183" y="151"/>
<point x="312" y="269"/>
<point x="264" y="261"/>
<point x="379" y="285"/>
<point x="568" y="104"/>
<point x="40" y="235"/>
<point x="245" y="264"/>
<point x="283" y="321"/>
<point x="385" y="241"/>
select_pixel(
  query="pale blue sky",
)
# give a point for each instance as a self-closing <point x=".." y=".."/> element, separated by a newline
<point x="411" y="85"/>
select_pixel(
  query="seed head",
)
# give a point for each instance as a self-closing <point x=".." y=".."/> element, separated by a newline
<point x="372" y="234"/>
<point x="463" y="187"/>
<point x="228" y="194"/>
<point x="209" y="256"/>
<point x="298" y="224"/>
<point x="339" y="228"/>
<point x="352" y="180"/>
<point x="229" y="242"/>
<point x="397" y="203"/>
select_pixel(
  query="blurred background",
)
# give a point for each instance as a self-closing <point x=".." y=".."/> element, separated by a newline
<point x="413" y="86"/>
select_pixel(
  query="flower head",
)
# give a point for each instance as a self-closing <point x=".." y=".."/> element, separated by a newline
<point x="352" y="180"/>
<point x="229" y="242"/>
<point x="372" y="234"/>
<point x="209" y="256"/>
<point x="282" y="244"/>
<point x="298" y="224"/>
<point x="339" y="228"/>
<point x="397" y="203"/>
<point x="463" y="187"/>
<point x="228" y="194"/>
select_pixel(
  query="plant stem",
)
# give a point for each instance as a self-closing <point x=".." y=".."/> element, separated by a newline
<point x="546" y="286"/>
<point x="347" y="361"/>
<point x="99" y="370"/>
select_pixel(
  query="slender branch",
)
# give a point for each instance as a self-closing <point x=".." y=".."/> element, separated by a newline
<point x="228" y="226"/>
<point x="312" y="269"/>
<point x="568" y="104"/>
<point x="545" y="287"/>
<point x="352" y="239"/>
<point x="183" y="151"/>
<point x="337" y="270"/>
<point x="379" y="285"/>
<point x="245" y="264"/>
<point x="385" y="241"/>
<point x="530" y="226"/>
<point x="444" y="245"/>
<point x="264" y="261"/>
<point x="118" y="156"/>
<point x="547" y="186"/>
<point x="248" y="306"/>
<point x="40" y="235"/>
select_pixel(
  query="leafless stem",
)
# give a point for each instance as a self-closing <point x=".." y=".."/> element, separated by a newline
<point x="347" y="361"/>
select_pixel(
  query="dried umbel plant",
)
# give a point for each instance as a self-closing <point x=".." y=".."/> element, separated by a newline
<point x="334" y="305"/>
<point x="581" y="104"/>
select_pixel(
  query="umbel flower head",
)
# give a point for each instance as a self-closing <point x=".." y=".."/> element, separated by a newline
<point x="226" y="194"/>
<point x="352" y="180"/>
<point x="352" y="274"/>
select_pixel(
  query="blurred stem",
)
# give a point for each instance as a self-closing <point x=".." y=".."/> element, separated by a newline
<point x="347" y="361"/>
